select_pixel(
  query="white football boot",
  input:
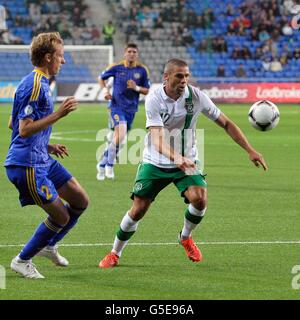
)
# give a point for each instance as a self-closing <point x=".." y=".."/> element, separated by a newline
<point x="109" y="172"/>
<point x="100" y="173"/>
<point x="52" y="254"/>
<point x="25" y="268"/>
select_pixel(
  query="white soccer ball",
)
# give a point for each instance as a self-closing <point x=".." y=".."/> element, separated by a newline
<point x="263" y="115"/>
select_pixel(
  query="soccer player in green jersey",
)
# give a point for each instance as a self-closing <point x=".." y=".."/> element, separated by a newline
<point x="173" y="109"/>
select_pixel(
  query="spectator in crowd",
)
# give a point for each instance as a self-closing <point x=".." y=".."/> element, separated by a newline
<point x="241" y="53"/>
<point x="286" y="54"/>
<point x="231" y="29"/>
<point x="208" y="18"/>
<point x="190" y="18"/>
<point x="296" y="53"/>
<point x="144" y="34"/>
<point x="275" y="65"/>
<point x="158" y="23"/>
<point x="263" y="35"/>
<point x="254" y="34"/>
<point x="240" y="72"/>
<point x="229" y="10"/>
<point x="86" y="35"/>
<point x="6" y="37"/>
<point x="203" y="46"/>
<point x="177" y="36"/>
<point x="266" y="63"/>
<point x="258" y="53"/>
<point x="108" y="32"/>
<point x="251" y="19"/>
<point x="187" y="37"/>
<point x="95" y="33"/>
<point x="219" y="45"/>
<point x="221" y="71"/>
<point x="64" y="31"/>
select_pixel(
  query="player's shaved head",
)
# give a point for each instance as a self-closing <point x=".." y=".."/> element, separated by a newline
<point x="171" y="64"/>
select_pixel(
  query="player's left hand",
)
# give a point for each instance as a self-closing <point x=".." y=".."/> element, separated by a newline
<point x="58" y="150"/>
<point x="258" y="159"/>
<point x="131" y="84"/>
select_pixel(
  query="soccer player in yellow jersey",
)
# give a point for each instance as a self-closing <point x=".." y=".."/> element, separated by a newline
<point x="39" y="178"/>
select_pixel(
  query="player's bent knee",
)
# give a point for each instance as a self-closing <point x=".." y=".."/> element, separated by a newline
<point x="198" y="199"/>
<point x="199" y="203"/>
<point x="85" y="201"/>
<point x="62" y="219"/>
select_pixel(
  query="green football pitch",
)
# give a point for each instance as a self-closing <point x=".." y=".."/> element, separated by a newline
<point x="249" y="237"/>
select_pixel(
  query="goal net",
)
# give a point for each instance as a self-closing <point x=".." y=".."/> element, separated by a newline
<point x="84" y="63"/>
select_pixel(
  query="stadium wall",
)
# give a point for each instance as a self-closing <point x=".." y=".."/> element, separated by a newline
<point x="219" y="93"/>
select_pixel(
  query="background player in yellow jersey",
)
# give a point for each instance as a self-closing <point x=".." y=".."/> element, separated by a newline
<point x="130" y="78"/>
<point x="39" y="178"/>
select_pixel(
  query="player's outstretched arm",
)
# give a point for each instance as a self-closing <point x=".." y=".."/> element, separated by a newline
<point x="238" y="136"/>
<point x="28" y="127"/>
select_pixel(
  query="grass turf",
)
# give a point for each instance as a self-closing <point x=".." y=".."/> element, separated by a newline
<point x="246" y="207"/>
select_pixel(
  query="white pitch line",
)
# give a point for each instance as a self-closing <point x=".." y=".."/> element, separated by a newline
<point x="167" y="243"/>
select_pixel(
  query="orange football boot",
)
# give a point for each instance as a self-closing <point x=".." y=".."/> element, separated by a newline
<point x="109" y="261"/>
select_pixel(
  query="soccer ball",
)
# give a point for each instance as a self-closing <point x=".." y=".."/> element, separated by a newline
<point x="263" y="115"/>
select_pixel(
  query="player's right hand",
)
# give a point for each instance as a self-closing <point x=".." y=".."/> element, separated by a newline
<point x="68" y="105"/>
<point x="107" y="96"/>
<point x="186" y="165"/>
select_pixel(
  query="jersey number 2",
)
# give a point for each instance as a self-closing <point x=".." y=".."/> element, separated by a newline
<point x="46" y="191"/>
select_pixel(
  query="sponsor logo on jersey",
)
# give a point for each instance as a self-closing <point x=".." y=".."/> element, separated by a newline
<point x="189" y="106"/>
<point x="28" y="110"/>
<point x="138" y="186"/>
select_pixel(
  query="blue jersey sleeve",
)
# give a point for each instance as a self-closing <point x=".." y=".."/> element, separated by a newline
<point x="145" y="79"/>
<point x="27" y="108"/>
<point x="110" y="72"/>
<point x="29" y="99"/>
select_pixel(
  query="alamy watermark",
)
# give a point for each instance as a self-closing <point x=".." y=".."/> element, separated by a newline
<point x="296" y="278"/>
<point x="2" y="277"/>
<point x="137" y="143"/>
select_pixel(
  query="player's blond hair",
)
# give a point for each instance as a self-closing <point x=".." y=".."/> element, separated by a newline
<point x="41" y="45"/>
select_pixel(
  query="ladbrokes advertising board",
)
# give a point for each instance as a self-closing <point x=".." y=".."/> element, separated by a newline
<point x="251" y="92"/>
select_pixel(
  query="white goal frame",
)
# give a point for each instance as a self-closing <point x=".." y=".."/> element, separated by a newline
<point x="67" y="48"/>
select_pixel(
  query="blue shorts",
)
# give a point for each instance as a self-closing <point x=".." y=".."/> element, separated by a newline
<point x="117" y="116"/>
<point x="38" y="185"/>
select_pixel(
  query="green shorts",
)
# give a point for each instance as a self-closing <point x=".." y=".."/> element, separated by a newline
<point x="150" y="180"/>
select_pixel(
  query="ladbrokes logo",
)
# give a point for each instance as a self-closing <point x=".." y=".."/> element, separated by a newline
<point x="293" y="8"/>
<point x="227" y="93"/>
<point x="276" y="92"/>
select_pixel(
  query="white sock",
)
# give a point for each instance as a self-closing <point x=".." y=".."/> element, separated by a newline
<point x="189" y="226"/>
<point x="127" y="225"/>
<point x="118" y="246"/>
